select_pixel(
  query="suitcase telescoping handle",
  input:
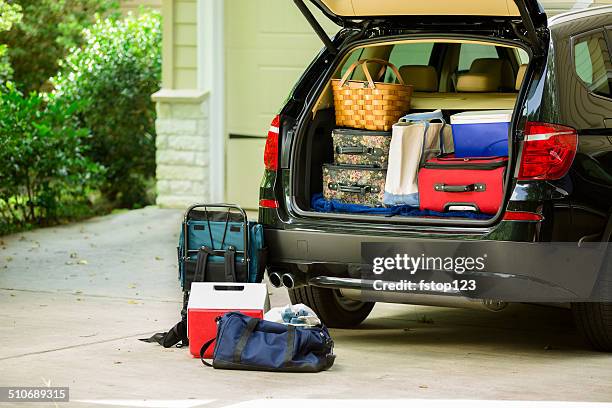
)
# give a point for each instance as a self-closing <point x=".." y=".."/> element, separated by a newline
<point x="355" y="189"/>
<point x="476" y="187"/>
<point x="359" y="150"/>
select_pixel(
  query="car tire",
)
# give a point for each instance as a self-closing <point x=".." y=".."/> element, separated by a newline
<point x="331" y="307"/>
<point x="594" y="321"/>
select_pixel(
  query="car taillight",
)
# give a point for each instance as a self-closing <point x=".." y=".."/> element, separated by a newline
<point x="548" y="151"/>
<point x="264" y="203"/>
<point x="522" y="216"/>
<point x="271" y="150"/>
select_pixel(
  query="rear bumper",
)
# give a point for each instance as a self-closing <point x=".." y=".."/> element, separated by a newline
<point x="519" y="271"/>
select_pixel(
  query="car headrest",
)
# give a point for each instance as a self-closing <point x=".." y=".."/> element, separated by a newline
<point x="485" y="65"/>
<point x="485" y="75"/>
<point x="423" y="78"/>
<point x="477" y="83"/>
<point x="520" y="76"/>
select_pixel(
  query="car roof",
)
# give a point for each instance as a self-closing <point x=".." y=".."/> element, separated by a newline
<point x="577" y="14"/>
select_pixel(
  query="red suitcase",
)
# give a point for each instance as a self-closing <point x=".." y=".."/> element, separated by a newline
<point x="448" y="183"/>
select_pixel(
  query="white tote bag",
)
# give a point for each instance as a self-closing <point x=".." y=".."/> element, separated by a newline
<point x="415" y="139"/>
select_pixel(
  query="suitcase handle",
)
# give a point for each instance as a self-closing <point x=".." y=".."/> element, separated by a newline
<point x="356" y="189"/>
<point x="476" y="187"/>
<point x="358" y="150"/>
<point x="207" y="207"/>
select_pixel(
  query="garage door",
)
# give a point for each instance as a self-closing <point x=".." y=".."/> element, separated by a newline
<point x="268" y="45"/>
<point x="554" y="7"/>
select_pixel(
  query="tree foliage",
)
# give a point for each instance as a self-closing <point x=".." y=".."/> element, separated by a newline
<point x="116" y="72"/>
<point x="46" y="33"/>
<point x="9" y="15"/>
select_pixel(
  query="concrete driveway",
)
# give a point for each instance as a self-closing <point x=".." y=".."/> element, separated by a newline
<point x="75" y="299"/>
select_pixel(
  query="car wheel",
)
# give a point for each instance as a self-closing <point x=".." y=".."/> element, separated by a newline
<point x="594" y="321"/>
<point x="332" y="308"/>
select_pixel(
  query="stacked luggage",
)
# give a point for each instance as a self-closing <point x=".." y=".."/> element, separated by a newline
<point x="423" y="162"/>
<point x="359" y="171"/>
<point x="367" y="109"/>
<point x="471" y="179"/>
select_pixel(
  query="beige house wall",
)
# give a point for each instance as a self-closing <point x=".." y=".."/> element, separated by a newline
<point x="180" y="53"/>
<point x="554" y="7"/>
<point x="134" y="5"/>
<point x="183" y="133"/>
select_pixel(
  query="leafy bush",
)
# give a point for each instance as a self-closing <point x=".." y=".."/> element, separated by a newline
<point x="117" y="71"/>
<point x="48" y="30"/>
<point x="44" y="173"/>
<point x="9" y="15"/>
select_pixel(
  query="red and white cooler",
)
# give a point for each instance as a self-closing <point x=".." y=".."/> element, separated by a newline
<point x="209" y="300"/>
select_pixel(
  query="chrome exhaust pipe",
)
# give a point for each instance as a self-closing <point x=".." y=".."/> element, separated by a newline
<point x="275" y="279"/>
<point x="288" y="281"/>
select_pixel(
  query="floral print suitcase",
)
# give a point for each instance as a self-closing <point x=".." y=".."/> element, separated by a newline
<point x="354" y="184"/>
<point x="361" y="147"/>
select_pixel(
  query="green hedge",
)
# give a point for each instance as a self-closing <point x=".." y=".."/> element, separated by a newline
<point x="45" y="174"/>
<point x="115" y="73"/>
<point x="45" y="34"/>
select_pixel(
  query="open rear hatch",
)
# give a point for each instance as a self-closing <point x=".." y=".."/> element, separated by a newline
<point x="520" y="22"/>
<point x="527" y="17"/>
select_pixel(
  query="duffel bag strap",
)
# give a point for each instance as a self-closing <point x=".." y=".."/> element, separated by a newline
<point x="168" y="339"/>
<point x="230" y="264"/>
<point x="244" y="338"/>
<point x="205" y="347"/>
<point x="290" y="345"/>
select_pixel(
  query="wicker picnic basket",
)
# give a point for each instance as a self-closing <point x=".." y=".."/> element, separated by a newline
<point x="367" y="104"/>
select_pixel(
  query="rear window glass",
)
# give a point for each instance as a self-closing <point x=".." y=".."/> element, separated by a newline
<point x="411" y="54"/>
<point x="523" y="57"/>
<point x="471" y="52"/>
<point x="399" y="55"/>
<point x="355" y="56"/>
<point x="592" y="63"/>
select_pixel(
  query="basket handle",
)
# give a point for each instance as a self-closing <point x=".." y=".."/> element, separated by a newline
<point x="364" y="65"/>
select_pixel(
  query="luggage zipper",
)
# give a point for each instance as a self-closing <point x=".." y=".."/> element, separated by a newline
<point x="358" y="132"/>
<point x="466" y="165"/>
<point x="354" y="167"/>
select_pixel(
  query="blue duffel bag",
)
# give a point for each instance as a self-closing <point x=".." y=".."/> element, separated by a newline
<point x="247" y="343"/>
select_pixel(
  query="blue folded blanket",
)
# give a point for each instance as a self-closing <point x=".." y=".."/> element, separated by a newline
<point x="320" y="204"/>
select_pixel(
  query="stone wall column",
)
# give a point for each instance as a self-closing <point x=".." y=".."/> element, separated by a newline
<point x="182" y="157"/>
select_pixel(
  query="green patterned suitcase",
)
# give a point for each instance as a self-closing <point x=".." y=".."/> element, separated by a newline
<point x="361" y="147"/>
<point x="354" y="184"/>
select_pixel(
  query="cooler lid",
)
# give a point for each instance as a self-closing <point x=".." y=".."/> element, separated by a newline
<point x="476" y="117"/>
<point x="232" y="296"/>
